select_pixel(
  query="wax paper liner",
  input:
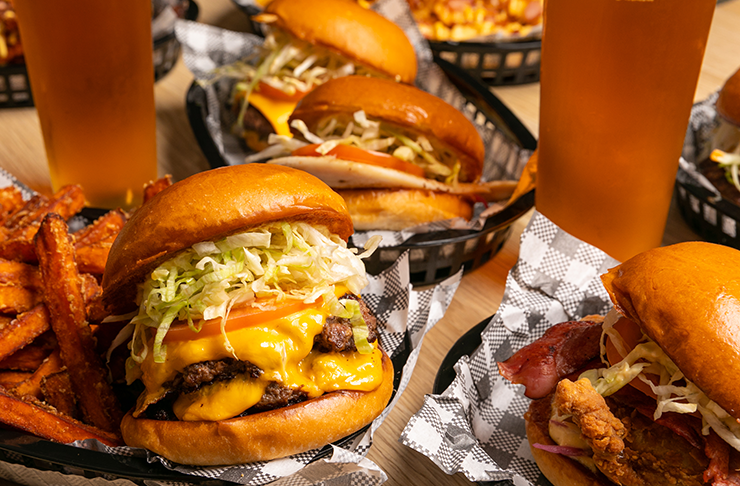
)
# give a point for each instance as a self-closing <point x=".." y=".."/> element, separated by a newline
<point x="206" y="47"/>
<point x="404" y="316"/>
<point x="698" y="142"/>
<point x="476" y="426"/>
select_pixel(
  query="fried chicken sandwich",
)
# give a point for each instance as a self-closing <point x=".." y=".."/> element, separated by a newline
<point x="247" y="329"/>
<point x="648" y="396"/>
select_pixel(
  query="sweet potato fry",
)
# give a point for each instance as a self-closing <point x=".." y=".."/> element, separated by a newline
<point x="14" y="300"/>
<point x="18" y="249"/>
<point x="63" y="297"/>
<point x="32" y="384"/>
<point x="91" y="258"/>
<point x="101" y="229"/>
<point x="20" y="229"/>
<point x="28" y="358"/>
<point x="57" y="391"/>
<point x="11" y="201"/>
<point x="36" y="418"/>
<point x="12" y="378"/>
<point x="66" y="202"/>
<point x="92" y="293"/>
<point x="153" y="188"/>
<point x="19" y="274"/>
<point x="27" y="213"/>
<point x="24" y="329"/>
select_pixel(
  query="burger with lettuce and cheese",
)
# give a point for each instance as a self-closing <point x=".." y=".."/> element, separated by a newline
<point x="399" y="156"/>
<point x="660" y="402"/>
<point x="246" y="325"/>
<point x="310" y="42"/>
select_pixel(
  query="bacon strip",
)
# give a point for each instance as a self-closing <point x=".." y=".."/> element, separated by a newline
<point x="563" y="349"/>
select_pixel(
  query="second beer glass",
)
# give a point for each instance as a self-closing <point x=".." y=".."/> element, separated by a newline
<point x="617" y="84"/>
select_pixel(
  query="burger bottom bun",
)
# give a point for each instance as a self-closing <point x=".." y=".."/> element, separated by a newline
<point x="397" y="209"/>
<point x="559" y="469"/>
<point x="262" y="436"/>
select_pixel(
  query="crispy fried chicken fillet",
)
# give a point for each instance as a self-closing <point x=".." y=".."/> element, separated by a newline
<point x="601" y="429"/>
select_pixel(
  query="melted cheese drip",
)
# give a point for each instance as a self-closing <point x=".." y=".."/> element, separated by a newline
<point x="277" y="112"/>
<point x="281" y="348"/>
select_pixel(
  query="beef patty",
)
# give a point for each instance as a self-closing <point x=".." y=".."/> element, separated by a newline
<point x="336" y="336"/>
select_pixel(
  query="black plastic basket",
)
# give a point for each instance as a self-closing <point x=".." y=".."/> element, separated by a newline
<point x="713" y="218"/>
<point x="15" y="90"/>
<point x="167" y="48"/>
<point x="432" y="256"/>
<point x="494" y="63"/>
<point x="709" y="214"/>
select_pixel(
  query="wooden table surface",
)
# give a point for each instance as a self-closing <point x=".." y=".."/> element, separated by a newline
<point x="479" y="294"/>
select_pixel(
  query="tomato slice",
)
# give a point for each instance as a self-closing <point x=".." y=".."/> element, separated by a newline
<point x="356" y="154"/>
<point x="631" y="334"/>
<point x="278" y="94"/>
<point x="238" y="318"/>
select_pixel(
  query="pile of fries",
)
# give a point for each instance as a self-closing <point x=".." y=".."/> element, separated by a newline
<point x="53" y="381"/>
<point x="464" y="20"/>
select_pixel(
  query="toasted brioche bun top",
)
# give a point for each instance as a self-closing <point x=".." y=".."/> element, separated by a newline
<point x="686" y="298"/>
<point x="728" y="102"/>
<point x="400" y="105"/>
<point x="208" y="206"/>
<point x="345" y="27"/>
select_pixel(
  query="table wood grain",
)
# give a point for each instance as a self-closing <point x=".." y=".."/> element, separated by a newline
<point x="480" y="292"/>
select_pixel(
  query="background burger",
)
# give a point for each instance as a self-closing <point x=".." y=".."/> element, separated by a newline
<point x="660" y="404"/>
<point x="722" y="167"/>
<point x="247" y="329"/>
<point x="310" y="42"/>
<point x="398" y="155"/>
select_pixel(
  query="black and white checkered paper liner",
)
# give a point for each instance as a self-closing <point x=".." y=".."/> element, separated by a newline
<point x="698" y="142"/>
<point x="404" y="316"/>
<point x="476" y="426"/>
<point x="206" y="48"/>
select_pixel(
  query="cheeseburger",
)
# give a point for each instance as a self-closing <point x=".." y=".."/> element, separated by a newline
<point x="309" y="43"/>
<point x="246" y="328"/>
<point x="398" y="155"/>
<point x="661" y="401"/>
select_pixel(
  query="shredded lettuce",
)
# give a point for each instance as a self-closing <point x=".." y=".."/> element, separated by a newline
<point x="731" y="163"/>
<point x="277" y="261"/>
<point x="368" y="134"/>
<point x="674" y="392"/>
<point x="287" y="64"/>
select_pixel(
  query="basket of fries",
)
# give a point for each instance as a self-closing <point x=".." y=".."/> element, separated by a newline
<point x="497" y="42"/>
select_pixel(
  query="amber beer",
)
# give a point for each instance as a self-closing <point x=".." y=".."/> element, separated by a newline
<point x="91" y="73"/>
<point x="617" y="84"/>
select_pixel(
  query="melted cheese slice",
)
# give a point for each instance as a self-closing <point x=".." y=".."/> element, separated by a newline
<point x="281" y="348"/>
<point x="277" y="112"/>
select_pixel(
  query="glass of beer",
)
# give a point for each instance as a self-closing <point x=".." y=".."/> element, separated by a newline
<point x="92" y="77"/>
<point x="617" y="84"/>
